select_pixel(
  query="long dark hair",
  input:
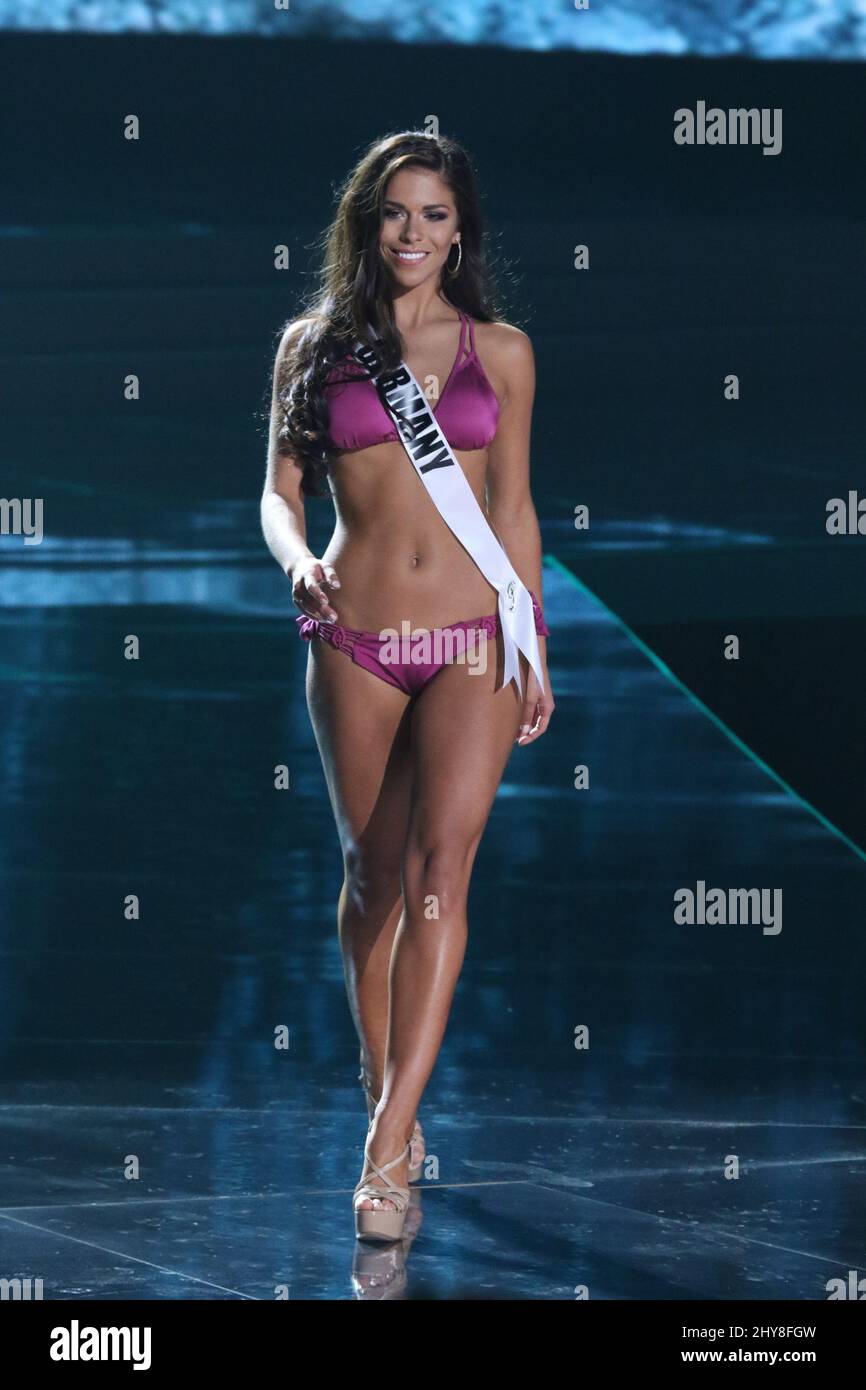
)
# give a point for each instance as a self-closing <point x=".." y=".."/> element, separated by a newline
<point x="354" y="289"/>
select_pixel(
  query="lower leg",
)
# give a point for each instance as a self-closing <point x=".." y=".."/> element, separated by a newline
<point x="428" y="955"/>
<point x="366" y="930"/>
<point x="367" y="916"/>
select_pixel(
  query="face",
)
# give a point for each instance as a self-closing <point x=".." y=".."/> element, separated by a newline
<point x="419" y="226"/>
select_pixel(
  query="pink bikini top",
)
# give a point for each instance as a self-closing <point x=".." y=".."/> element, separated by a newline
<point x="467" y="410"/>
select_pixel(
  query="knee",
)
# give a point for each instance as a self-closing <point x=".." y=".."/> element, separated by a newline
<point x="372" y="878"/>
<point x="436" y="873"/>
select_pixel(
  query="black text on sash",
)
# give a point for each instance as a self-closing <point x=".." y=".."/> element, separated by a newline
<point x="403" y="399"/>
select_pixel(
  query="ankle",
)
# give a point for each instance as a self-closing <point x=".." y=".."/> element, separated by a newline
<point x="392" y="1127"/>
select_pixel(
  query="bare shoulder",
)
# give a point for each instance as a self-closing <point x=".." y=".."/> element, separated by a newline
<point x="506" y="344"/>
<point x="291" y="336"/>
<point x="508" y="355"/>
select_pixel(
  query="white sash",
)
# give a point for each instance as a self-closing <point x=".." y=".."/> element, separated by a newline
<point x="446" y="483"/>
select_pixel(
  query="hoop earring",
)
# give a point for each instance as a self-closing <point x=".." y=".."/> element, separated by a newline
<point x="459" y="258"/>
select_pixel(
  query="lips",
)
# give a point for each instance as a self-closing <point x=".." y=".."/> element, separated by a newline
<point x="410" y="257"/>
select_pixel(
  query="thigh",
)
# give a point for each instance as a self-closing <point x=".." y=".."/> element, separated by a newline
<point x="361" y="727"/>
<point x="463" y="731"/>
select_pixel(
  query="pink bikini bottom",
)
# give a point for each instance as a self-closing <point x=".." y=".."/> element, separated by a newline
<point x="444" y="645"/>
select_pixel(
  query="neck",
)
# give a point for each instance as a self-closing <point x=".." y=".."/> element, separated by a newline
<point x="417" y="306"/>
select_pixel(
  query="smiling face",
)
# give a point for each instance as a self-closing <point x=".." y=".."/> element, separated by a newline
<point x="419" y="226"/>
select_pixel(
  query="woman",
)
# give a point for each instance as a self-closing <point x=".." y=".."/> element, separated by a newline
<point x="412" y="753"/>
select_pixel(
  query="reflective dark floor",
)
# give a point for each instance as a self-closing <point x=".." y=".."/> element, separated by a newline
<point x="553" y="1168"/>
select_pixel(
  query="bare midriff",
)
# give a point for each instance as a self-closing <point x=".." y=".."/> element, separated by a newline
<point x="395" y="557"/>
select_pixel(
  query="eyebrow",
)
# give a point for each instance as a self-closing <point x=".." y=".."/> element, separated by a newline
<point x="426" y="207"/>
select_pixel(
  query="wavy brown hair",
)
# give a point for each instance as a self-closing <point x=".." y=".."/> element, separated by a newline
<point x="354" y="289"/>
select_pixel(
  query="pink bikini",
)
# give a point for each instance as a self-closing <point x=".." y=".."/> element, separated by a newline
<point x="368" y="649"/>
<point x="467" y="413"/>
<point x="467" y="410"/>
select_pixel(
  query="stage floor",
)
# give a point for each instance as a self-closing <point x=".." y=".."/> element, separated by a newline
<point x="554" y="1169"/>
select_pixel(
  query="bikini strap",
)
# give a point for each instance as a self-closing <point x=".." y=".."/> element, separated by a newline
<point x="467" y="320"/>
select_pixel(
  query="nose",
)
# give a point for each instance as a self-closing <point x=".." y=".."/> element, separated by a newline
<point x="410" y="232"/>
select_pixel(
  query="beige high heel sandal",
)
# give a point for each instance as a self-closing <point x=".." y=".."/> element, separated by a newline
<point x="373" y="1223"/>
<point x="415" y="1169"/>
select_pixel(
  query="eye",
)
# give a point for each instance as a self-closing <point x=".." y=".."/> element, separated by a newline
<point x="431" y="216"/>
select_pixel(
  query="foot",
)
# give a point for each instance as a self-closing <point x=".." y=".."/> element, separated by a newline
<point x="383" y="1144"/>
<point x="418" y="1151"/>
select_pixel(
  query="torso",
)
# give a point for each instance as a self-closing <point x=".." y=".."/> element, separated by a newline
<point x="395" y="556"/>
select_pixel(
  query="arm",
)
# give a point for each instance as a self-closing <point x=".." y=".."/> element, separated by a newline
<point x="282" y="509"/>
<point x="509" y="499"/>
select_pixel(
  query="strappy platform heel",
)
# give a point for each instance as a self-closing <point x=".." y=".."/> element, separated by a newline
<point x="372" y="1223"/>
<point x="415" y="1169"/>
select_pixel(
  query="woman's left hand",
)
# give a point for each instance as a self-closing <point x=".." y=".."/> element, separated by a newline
<point x="538" y="706"/>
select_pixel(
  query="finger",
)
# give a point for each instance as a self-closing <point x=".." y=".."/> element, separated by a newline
<point x="541" y="726"/>
<point x="311" y="605"/>
<point x="545" y="712"/>
<point x="302" y="585"/>
<point x="299" y="599"/>
<point x="319" y="596"/>
<point x="527" y="718"/>
<point x="331" y="576"/>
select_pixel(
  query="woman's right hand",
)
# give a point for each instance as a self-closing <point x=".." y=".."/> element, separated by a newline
<point x="310" y="578"/>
